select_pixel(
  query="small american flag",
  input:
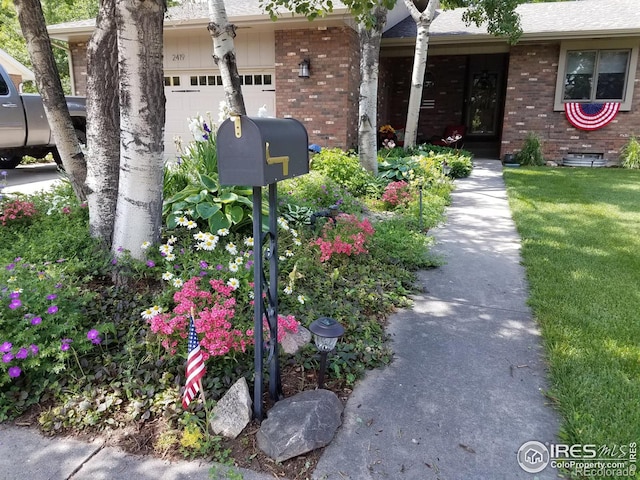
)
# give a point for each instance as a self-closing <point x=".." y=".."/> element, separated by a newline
<point x="195" y="367"/>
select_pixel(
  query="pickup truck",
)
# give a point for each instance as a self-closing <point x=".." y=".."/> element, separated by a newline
<point x="24" y="129"/>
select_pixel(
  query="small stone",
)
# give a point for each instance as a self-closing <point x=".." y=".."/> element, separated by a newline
<point x="551" y="163"/>
<point x="233" y="411"/>
<point x="299" y="424"/>
<point x="292" y="342"/>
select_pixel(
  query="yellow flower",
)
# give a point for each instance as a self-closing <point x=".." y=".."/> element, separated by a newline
<point x="191" y="437"/>
<point x="387" y="129"/>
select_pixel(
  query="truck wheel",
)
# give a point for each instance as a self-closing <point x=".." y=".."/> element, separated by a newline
<point x="10" y="161"/>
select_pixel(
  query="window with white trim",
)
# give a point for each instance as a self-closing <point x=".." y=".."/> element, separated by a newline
<point x="596" y="72"/>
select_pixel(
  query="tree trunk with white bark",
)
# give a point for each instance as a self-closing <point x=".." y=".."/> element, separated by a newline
<point x="142" y="118"/>
<point x="423" y="22"/>
<point x="368" y="106"/>
<point x="35" y="32"/>
<point x="222" y="33"/>
<point x="103" y="125"/>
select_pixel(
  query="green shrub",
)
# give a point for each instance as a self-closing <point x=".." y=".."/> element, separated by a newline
<point x="411" y="253"/>
<point x="630" y="153"/>
<point x="398" y="168"/>
<point x="460" y="166"/>
<point x="531" y="153"/>
<point x="344" y="169"/>
<point x="317" y="191"/>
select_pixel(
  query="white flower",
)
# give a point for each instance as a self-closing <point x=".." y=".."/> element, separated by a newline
<point x="233" y="283"/>
<point x="251" y="295"/>
<point x="17" y="290"/>
<point x="208" y="244"/>
<point x="199" y="236"/>
<point x="191" y="225"/>
<point x="167" y="276"/>
<point x="294" y="233"/>
<point x="288" y="290"/>
<point x="182" y="221"/>
<point x="172" y="240"/>
<point x="149" y="313"/>
<point x="301" y="299"/>
<point x="231" y="248"/>
<point x="283" y="223"/>
<point x="165" y="249"/>
<point x="288" y="253"/>
<point x="248" y="241"/>
<point x="11" y="279"/>
<point x="297" y="242"/>
<point x="177" y="282"/>
<point x="170" y="257"/>
<point x="233" y="267"/>
<point x="145" y="245"/>
<point x="223" y="232"/>
<point x="188" y="212"/>
<point x="281" y="258"/>
<point x="239" y="260"/>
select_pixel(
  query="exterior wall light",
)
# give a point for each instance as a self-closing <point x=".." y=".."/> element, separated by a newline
<point x="304" y="67"/>
<point x="326" y="332"/>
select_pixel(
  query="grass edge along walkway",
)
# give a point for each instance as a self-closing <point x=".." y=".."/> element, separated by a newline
<point x="580" y="231"/>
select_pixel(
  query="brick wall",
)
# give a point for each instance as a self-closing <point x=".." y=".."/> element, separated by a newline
<point x="447" y="92"/>
<point x="16" y="79"/>
<point x="79" y="59"/>
<point x="529" y="108"/>
<point x="326" y="102"/>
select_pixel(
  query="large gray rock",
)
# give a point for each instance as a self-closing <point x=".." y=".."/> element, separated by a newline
<point x="293" y="341"/>
<point x="233" y="411"/>
<point x="299" y="424"/>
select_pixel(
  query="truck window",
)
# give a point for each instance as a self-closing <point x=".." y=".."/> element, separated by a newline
<point x="4" y="89"/>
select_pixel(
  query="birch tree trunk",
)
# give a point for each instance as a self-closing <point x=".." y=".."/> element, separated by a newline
<point x="142" y="118"/>
<point x="103" y="124"/>
<point x="423" y="22"/>
<point x="35" y="32"/>
<point x="368" y="106"/>
<point x="222" y="33"/>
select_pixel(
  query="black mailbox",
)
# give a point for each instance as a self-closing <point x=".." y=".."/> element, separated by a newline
<point x="258" y="151"/>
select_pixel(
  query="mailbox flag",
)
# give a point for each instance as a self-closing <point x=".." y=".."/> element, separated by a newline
<point x="195" y="367"/>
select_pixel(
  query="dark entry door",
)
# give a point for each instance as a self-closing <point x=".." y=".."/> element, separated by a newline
<point x="485" y="96"/>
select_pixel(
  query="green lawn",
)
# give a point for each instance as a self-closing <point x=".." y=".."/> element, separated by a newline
<point x="581" y="247"/>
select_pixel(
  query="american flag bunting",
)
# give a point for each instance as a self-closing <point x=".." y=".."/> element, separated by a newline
<point x="195" y="367"/>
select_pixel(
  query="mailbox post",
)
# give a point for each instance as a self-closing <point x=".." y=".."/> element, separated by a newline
<point x="258" y="152"/>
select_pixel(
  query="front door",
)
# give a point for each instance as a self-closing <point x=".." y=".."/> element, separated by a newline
<point x="485" y="96"/>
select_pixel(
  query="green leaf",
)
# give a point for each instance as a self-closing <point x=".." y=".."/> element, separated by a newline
<point x="171" y="222"/>
<point x="228" y="197"/>
<point x="209" y="183"/>
<point x="234" y="213"/>
<point x="190" y="190"/>
<point x="206" y="210"/>
<point x="198" y="197"/>
<point x="218" y="221"/>
<point x="245" y="201"/>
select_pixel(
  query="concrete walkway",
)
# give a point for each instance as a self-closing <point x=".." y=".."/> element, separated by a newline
<point x="464" y="391"/>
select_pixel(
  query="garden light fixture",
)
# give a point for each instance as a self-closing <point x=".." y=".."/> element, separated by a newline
<point x="304" y="67"/>
<point x="326" y="332"/>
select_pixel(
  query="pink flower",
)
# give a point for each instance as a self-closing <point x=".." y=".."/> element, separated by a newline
<point x="14" y="372"/>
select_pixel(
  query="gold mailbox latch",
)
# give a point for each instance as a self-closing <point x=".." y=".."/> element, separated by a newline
<point x="283" y="160"/>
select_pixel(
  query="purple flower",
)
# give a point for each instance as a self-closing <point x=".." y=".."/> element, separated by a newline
<point x="58" y="285"/>
<point x="34" y="349"/>
<point x="204" y="264"/>
<point x="14" y="295"/>
<point x="205" y="127"/>
<point x="53" y="296"/>
<point x="36" y="320"/>
<point x="60" y="260"/>
<point x="17" y="259"/>
<point x="203" y="273"/>
<point x="93" y="334"/>
<point x="11" y="266"/>
<point x="150" y="263"/>
<point x="14" y="372"/>
<point x="15" y="303"/>
<point x="64" y="346"/>
<point x="219" y="267"/>
<point x="22" y="354"/>
<point x="5" y="347"/>
<point x="52" y="309"/>
<point x="7" y="357"/>
<point x="114" y="261"/>
<point x="96" y="341"/>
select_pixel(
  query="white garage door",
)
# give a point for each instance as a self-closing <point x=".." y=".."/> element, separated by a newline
<point x="192" y="94"/>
